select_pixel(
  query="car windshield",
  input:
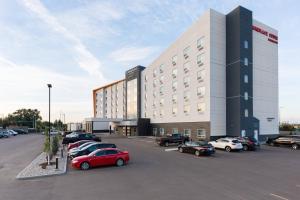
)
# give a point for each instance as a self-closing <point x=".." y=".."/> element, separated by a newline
<point x="84" y="145"/>
<point x="196" y="144"/>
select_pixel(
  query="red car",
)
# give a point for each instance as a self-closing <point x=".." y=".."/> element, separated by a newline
<point x="101" y="157"/>
<point x="77" y="144"/>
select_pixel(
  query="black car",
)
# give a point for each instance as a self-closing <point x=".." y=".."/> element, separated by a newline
<point x="80" y="136"/>
<point x="20" y="131"/>
<point x="249" y="143"/>
<point x="90" y="148"/>
<point x="289" y="141"/>
<point x="175" y="138"/>
<point x="197" y="148"/>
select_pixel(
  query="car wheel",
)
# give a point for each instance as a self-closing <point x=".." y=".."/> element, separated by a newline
<point x="197" y="153"/>
<point x="181" y="150"/>
<point x="294" y="146"/>
<point x="166" y="144"/>
<point x="245" y="147"/>
<point x="85" y="166"/>
<point x="120" y="162"/>
<point x="228" y="148"/>
<point x="272" y="144"/>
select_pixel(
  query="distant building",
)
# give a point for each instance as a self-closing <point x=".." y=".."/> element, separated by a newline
<point x="219" y="78"/>
<point x="74" y="126"/>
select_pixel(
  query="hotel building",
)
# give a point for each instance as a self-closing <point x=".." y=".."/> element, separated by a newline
<point x="219" y="78"/>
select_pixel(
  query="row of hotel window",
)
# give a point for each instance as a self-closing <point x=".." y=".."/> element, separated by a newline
<point x="186" y="54"/>
<point x="186" y="110"/>
<point x="200" y="133"/>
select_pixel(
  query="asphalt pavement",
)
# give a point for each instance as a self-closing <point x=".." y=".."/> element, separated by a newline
<point x="154" y="173"/>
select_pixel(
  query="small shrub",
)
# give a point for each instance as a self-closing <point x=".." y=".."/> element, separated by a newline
<point x="55" y="145"/>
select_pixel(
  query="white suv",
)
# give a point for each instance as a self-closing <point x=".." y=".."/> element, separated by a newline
<point x="227" y="143"/>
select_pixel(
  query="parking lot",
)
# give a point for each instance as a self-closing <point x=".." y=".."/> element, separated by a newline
<point x="153" y="173"/>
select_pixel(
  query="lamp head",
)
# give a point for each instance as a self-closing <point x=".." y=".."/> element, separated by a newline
<point x="49" y="85"/>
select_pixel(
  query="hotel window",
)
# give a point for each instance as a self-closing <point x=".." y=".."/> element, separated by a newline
<point x="145" y="86"/>
<point x="201" y="75"/>
<point x="154" y="131"/>
<point x="200" y="43"/>
<point x="161" y="114"/>
<point x="186" y="81"/>
<point x="201" y="107"/>
<point x="186" y="108"/>
<point x="161" y="102"/>
<point x="186" y="95"/>
<point x="187" y="132"/>
<point x="162" y="131"/>
<point x="174" y="98"/>
<point x="246" y="113"/>
<point x="154" y="93"/>
<point x="186" y="67"/>
<point x="174" y="130"/>
<point x="246" y="95"/>
<point x="174" y="73"/>
<point x="200" y="91"/>
<point x="174" y="110"/>
<point x="174" y="85"/>
<point x="174" y="60"/>
<point x="154" y="104"/>
<point x="161" y="90"/>
<point x="161" y="68"/>
<point x="201" y="133"/>
<point x="154" y="83"/>
<point x="161" y="79"/>
<point x="200" y="59"/>
<point x="246" y="61"/>
<point x="186" y="52"/>
<point x="245" y="78"/>
<point x="246" y="44"/>
<point x="154" y="113"/>
<point x="146" y="78"/>
<point x="154" y="73"/>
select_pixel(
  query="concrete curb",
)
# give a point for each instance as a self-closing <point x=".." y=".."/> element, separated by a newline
<point x="19" y="177"/>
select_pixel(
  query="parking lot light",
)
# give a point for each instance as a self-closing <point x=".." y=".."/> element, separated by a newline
<point x="49" y="86"/>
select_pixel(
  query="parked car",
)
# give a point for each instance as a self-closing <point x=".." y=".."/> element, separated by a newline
<point x="172" y="139"/>
<point x="249" y="143"/>
<point x="75" y="149"/>
<point x="20" y="131"/>
<point x="12" y="132"/>
<point x="77" y="144"/>
<point x="1" y="134"/>
<point x="90" y="148"/>
<point x="289" y="141"/>
<point x="101" y="157"/>
<point x="228" y="144"/>
<point x="80" y="136"/>
<point x="5" y="134"/>
<point x="197" y="148"/>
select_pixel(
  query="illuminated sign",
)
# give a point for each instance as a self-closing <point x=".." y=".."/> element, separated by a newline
<point x="271" y="37"/>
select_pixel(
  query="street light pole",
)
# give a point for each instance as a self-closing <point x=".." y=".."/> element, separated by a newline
<point x="49" y="86"/>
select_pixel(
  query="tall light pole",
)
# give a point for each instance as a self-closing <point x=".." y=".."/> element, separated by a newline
<point x="49" y="86"/>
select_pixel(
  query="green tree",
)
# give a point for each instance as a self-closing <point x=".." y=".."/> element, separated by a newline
<point x="55" y="145"/>
<point x="286" y="127"/>
<point x="24" y="117"/>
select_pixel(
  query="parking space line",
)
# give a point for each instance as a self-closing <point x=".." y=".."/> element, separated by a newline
<point x="279" y="197"/>
<point x="171" y="149"/>
<point x="297" y="185"/>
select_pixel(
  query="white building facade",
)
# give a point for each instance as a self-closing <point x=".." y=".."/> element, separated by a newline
<point x="219" y="78"/>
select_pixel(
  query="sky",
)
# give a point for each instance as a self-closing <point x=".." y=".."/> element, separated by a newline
<point x="79" y="45"/>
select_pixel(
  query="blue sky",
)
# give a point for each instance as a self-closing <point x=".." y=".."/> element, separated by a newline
<point x="78" y="45"/>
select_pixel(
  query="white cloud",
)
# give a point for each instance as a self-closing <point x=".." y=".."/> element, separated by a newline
<point x="86" y="60"/>
<point x="25" y="86"/>
<point x="127" y="54"/>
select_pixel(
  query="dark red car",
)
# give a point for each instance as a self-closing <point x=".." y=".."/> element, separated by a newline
<point x="101" y="157"/>
<point x="77" y="144"/>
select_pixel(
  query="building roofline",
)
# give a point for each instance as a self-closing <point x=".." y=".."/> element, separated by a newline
<point x="109" y="84"/>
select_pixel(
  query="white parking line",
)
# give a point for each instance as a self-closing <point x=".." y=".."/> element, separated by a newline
<point x="279" y="197"/>
<point x="171" y="149"/>
<point x="297" y="185"/>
